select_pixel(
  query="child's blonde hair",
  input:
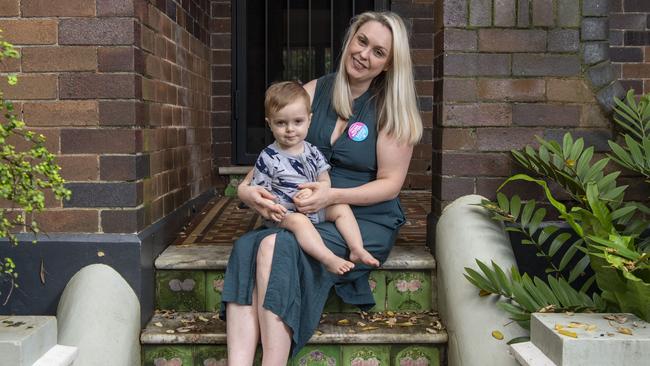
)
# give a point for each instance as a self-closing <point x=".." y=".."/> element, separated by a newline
<point x="283" y="93"/>
<point x="396" y="100"/>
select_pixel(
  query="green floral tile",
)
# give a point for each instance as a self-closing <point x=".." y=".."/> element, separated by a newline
<point x="167" y="356"/>
<point x="363" y="355"/>
<point x="334" y="303"/>
<point x="180" y="290"/>
<point x="318" y="355"/>
<point x="231" y="189"/>
<point x="408" y="291"/>
<point x="415" y="356"/>
<point x="210" y="356"/>
<point x="377" y="282"/>
<point x="213" y="290"/>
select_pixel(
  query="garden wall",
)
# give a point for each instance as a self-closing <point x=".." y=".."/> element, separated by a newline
<point x="508" y="70"/>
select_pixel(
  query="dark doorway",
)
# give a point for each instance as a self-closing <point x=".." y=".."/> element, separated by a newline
<point x="282" y="40"/>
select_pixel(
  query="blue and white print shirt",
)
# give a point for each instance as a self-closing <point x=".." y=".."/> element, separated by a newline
<point x="281" y="173"/>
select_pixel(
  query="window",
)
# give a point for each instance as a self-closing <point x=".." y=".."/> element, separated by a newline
<point x="282" y="40"/>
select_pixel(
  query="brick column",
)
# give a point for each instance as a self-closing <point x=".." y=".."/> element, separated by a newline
<point x="629" y="38"/>
<point x="509" y="70"/>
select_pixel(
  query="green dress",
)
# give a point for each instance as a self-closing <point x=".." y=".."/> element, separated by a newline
<point x="299" y="285"/>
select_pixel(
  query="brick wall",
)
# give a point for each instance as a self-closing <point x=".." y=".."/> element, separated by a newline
<point x="121" y="93"/>
<point x="419" y="15"/>
<point x="176" y="94"/>
<point x="220" y="42"/>
<point x="507" y="70"/>
<point x="629" y="38"/>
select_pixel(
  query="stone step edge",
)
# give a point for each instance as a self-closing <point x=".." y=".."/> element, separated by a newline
<point x="215" y="257"/>
<point x="326" y="334"/>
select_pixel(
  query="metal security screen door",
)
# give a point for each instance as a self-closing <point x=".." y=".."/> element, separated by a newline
<point x="282" y="40"/>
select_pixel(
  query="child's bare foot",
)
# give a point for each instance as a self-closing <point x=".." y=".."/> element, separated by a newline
<point x="338" y="265"/>
<point x="363" y="256"/>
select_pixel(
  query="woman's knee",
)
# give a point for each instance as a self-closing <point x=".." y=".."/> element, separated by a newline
<point x="265" y="251"/>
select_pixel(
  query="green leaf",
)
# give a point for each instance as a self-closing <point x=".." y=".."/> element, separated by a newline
<point x="539" y="215"/>
<point x="557" y="243"/>
<point x="518" y="340"/>
<point x="578" y="269"/>
<point x="502" y="279"/>
<point x="527" y="212"/>
<point x="566" y="258"/>
<point x="503" y="201"/>
<point x="515" y="206"/>
<point x="546" y="233"/>
<point x="546" y="291"/>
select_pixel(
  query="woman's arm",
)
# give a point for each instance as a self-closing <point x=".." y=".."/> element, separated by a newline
<point x="259" y="199"/>
<point x="393" y="160"/>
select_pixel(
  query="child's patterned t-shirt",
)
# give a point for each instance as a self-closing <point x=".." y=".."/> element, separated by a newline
<point x="281" y="173"/>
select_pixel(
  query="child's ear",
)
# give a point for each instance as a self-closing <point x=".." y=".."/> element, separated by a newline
<point x="310" y="114"/>
<point x="267" y="121"/>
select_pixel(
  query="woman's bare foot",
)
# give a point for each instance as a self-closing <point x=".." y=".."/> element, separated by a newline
<point x="363" y="256"/>
<point x="338" y="265"/>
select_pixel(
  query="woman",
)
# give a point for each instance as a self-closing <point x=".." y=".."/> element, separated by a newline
<point x="365" y="121"/>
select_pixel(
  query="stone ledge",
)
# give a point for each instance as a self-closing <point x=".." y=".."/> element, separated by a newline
<point x="212" y="330"/>
<point x="215" y="257"/>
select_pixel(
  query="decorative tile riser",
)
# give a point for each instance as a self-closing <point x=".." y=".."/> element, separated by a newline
<point x="311" y="355"/>
<point x="201" y="291"/>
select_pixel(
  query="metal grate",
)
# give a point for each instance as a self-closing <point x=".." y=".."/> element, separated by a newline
<point x="282" y="40"/>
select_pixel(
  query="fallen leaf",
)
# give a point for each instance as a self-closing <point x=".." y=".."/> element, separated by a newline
<point x="591" y="328"/>
<point x="559" y="326"/>
<point x="318" y="332"/>
<point x="432" y="331"/>
<point x="391" y="322"/>
<point x="577" y="325"/>
<point x="568" y="333"/>
<point x="390" y="313"/>
<point x="343" y="322"/>
<point x="497" y="335"/>
<point x="361" y="324"/>
<point x="183" y="329"/>
<point x="100" y="253"/>
<point x="158" y="324"/>
<point x="170" y="331"/>
<point x="42" y="272"/>
<point x="405" y="324"/>
<point x="624" y="330"/>
<point x="203" y="319"/>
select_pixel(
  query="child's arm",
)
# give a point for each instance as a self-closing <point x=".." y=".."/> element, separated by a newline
<point x="324" y="177"/>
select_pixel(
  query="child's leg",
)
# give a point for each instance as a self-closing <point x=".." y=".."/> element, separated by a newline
<point x="345" y="222"/>
<point x="311" y="242"/>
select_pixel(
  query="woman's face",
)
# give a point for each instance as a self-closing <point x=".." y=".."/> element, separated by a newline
<point x="369" y="52"/>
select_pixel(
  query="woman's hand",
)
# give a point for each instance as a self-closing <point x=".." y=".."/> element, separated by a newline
<point x="320" y="197"/>
<point x="261" y="201"/>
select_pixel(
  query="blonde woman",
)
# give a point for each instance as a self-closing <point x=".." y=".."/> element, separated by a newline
<point x="365" y="121"/>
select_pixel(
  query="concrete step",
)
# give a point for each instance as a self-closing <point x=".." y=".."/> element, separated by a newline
<point x="390" y="338"/>
<point x="190" y="277"/>
<point x="215" y="257"/>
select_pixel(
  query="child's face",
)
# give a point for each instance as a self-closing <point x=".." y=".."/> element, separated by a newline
<point x="289" y="125"/>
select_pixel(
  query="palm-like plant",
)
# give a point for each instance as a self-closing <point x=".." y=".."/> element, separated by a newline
<point x="606" y="231"/>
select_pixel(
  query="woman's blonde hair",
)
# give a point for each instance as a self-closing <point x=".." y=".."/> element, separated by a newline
<point x="396" y="98"/>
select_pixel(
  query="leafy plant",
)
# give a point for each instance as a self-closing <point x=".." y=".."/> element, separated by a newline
<point x="607" y="231"/>
<point x="24" y="174"/>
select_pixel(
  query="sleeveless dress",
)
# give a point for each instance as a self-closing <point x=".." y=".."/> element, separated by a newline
<point x="299" y="285"/>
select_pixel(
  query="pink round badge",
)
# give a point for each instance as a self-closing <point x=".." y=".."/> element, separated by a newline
<point x="358" y="131"/>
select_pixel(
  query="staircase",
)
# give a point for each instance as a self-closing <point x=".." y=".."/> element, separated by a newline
<point x="402" y="329"/>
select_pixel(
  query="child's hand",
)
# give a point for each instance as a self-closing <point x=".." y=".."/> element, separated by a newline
<point x="303" y="193"/>
<point x="276" y="212"/>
